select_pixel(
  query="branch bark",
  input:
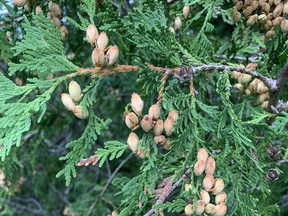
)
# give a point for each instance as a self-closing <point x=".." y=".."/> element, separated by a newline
<point x="175" y="185"/>
<point x="274" y="93"/>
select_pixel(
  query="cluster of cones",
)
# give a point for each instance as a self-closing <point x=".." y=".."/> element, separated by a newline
<point x="149" y="122"/>
<point x="247" y="85"/>
<point x="74" y="96"/>
<point x="210" y="187"/>
<point x="101" y="55"/>
<point x="267" y="14"/>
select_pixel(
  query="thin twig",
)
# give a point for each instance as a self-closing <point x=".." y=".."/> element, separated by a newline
<point x="114" y="173"/>
<point x="176" y="184"/>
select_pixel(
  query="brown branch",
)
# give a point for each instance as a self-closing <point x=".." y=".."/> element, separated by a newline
<point x="162" y="198"/>
<point x="274" y="93"/>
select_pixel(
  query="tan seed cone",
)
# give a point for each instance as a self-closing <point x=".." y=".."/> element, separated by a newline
<point x="277" y="21"/>
<point x="239" y="87"/>
<point x="199" y="167"/>
<point x="251" y="21"/>
<point x="19" y="3"/>
<point x="208" y="182"/>
<point x="131" y="121"/>
<point x="173" y="114"/>
<point x="160" y="140"/>
<point x="245" y="78"/>
<point x="255" y="5"/>
<point x="236" y="17"/>
<point x="189" y="209"/>
<point x="133" y="142"/>
<point x="210" y="209"/>
<point x="38" y="10"/>
<point x="186" y="11"/>
<point x="98" y="57"/>
<point x="200" y="207"/>
<point x="188" y="187"/>
<point x="210" y="166"/>
<point x="102" y="41"/>
<point x="248" y="11"/>
<point x="205" y="196"/>
<point x="270" y="34"/>
<point x="264" y="105"/>
<point x="220" y="198"/>
<point x="158" y="127"/>
<point x="285" y="9"/>
<point x="78" y="112"/>
<point x="168" y="125"/>
<point x="276" y="2"/>
<point x="137" y="103"/>
<point x="172" y="30"/>
<point x="92" y="34"/>
<point x="178" y="23"/>
<point x="112" y="55"/>
<point x="167" y="144"/>
<point x="284" y="26"/>
<point x="235" y="75"/>
<point x="55" y="9"/>
<point x="67" y="101"/>
<point x="220" y="210"/>
<point x="202" y="155"/>
<point x="218" y="186"/>
<point x="64" y="33"/>
<point x="239" y="5"/>
<point x="265" y="8"/>
<point x="146" y="123"/>
<point x="141" y="153"/>
<point x="56" y="21"/>
<point x="154" y="111"/>
<point x="75" y="91"/>
<point x="278" y="10"/>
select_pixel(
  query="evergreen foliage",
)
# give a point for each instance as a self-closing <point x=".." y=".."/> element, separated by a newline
<point x="59" y="160"/>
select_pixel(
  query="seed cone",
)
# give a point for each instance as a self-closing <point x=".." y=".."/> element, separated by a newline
<point x="174" y="115"/>
<point x="38" y="10"/>
<point x="168" y="125"/>
<point x="55" y="9"/>
<point x="239" y="87"/>
<point x="112" y="55"/>
<point x="210" y="166"/>
<point x="202" y="155"/>
<point x="137" y="103"/>
<point x="218" y="186"/>
<point x="235" y="75"/>
<point x="154" y="111"/>
<point x="189" y="209"/>
<point x="270" y="34"/>
<point x="208" y="182"/>
<point x="92" y="34"/>
<point x="265" y="8"/>
<point x="160" y="140"/>
<point x="98" y="57"/>
<point x="252" y="20"/>
<point x="158" y="127"/>
<point x="67" y="101"/>
<point x="199" y="167"/>
<point x="186" y="11"/>
<point x="19" y="3"/>
<point x="133" y="142"/>
<point x="141" y="153"/>
<point x="236" y="17"/>
<point x="278" y="10"/>
<point x="239" y="5"/>
<point x="56" y="21"/>
<point x="146" y="123"/>
<point x="102" y="41"/>
<point x="205" y="196"/>
<point x="264" y="105"/>
<point x="75" y="91"/>
<point x="200" y="207"/>
<point x="64" y="33"/>
<point x="131" y="120"/>
<point x="178" y="23"/>
<point x="244" y="78"/>
<point x="221" y="198"/>
<point x="210" y="209"/>
<point x="78" y="112"/>
<point x="220" y="210"/>
<point x="284" y="26"/>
